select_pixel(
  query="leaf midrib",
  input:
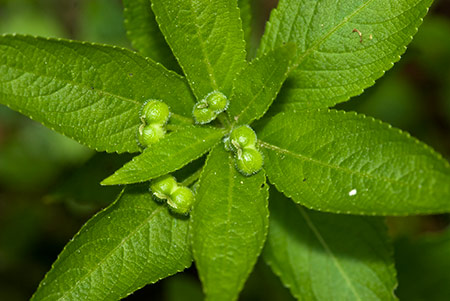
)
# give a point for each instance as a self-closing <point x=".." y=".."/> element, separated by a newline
<point x="208" y="65"/>
<point x="196" y="143"/>
<point x="75" y="84"/>
<point x="315" y="45"/>
<point x="324" y="244"/>
<point x="215" y="134"/>
<point x="331" y="166"/>
<point x="254" y="98"/>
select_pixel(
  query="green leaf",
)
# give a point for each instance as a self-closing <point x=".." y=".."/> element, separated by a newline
<point x="255" y="88"/>
<point x="246" y="13"/>
<point x="229" y="225"/>
<point x="334" y="64"/>
<point x="144" y="33"/>
<point x="207" y="39"/>
<point x="91" y="93"/>
<point x="423" y="267"/>
<point x="322" y="256"/>
<point x="134" y="242"/>
<point x="344" y="162"/>
<point x="171" y="153"/>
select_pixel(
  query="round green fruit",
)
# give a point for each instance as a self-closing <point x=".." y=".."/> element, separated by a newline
<point x="202" y="113"/>
<point x="163" y="187"/>
<point x="217" y="101"/>
<point x="181" y="200"/>
<point x="155" y="112"/>
<point x="249" y="162"/>
<point x="243" y="137"/>
<point x="150" y="134"/>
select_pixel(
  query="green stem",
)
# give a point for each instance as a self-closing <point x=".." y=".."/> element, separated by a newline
<point x="192" y="178"/>
<point x="223" y="118"/>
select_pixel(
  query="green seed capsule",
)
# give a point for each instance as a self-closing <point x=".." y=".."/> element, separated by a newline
<point x="202" y="113"/>
<point x="249" y="162"/>
<point x="163" y="187"/>
<point x="150" y="134"/>
<point x="217" y="101"/>
<point x="243" y="137"/>
<point x="155" y="112"/>
<point x="181" y="200"/>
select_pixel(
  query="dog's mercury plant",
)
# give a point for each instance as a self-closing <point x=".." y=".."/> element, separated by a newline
<point x="323" y="174"/>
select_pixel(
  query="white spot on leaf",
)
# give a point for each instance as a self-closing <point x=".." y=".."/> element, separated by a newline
<point x="352" y="192"/>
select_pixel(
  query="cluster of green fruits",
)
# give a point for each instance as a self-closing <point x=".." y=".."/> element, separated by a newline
<point x="207" y="109"/>
<point x="242" y="142"/>
<point x="179" y="198"/>
<point x="154" y="116"/>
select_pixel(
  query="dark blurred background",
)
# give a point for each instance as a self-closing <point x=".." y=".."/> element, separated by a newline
<point x="49" y="183"/>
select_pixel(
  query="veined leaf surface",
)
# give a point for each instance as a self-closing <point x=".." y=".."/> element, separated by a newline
<point x="134" y="242"/>
<point x="229" y="225"/>
<point x="144" y="33"/>
<point x="322" y="256"/>
<point x="334" y="62"/>
<point x="171" y="153"/>
<point x="91" y="93"/>
<point x="207" y="39"/>
<point x="348" y="163"/>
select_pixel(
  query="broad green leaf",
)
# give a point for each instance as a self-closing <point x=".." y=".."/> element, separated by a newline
<point x="344" y="162"/>
<point x="134" y="242"/>
<point x="322" y="256"/>
<point x="245" y="8"/>
<point x="144" y="33"/>
<point x="229" y="225"/>
<point x="423" y="267"/>
<point x="207" y="39"/>
<point x="334" y="63"/>
<point x="255" y="88"/>
<point x="91" y="93"/>
<point x="171" y="153"/>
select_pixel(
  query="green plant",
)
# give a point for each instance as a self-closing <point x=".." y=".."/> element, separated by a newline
<point x="313" y="55"/>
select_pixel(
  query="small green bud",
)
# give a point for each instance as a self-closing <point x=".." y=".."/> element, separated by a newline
<point x="155" y="112"/>
<point x="217" y="101"/>
<point x="202" y="113"/>
<point x="249" y="162"/>
<point x="163" y="187"/>
<point x="243" y="137"/>
<point x="227" y="144"/>
<point x="181" y="200"/>
<point x="150" y="134"/>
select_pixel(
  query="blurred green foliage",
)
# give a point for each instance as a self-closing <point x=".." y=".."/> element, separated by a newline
<point x="49" y="183"/>
<point x="423" y="267"/>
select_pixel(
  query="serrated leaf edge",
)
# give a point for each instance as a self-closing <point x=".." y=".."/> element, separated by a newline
<point x="264" y="189"/>
<point x="375" y="76"/>
<point x="107" y="182"/>
<point x="278" y="273"/>
<point x="235" y="119"/>
<point x="385" y="125"/>
<point x="98" y="149"/>
<point x="42" y="283"/>
<point x="208" y="64"/>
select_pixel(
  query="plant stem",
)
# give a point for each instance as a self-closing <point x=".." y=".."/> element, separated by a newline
<point x="192" y="178"/>
<point x="223" y="118"/>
